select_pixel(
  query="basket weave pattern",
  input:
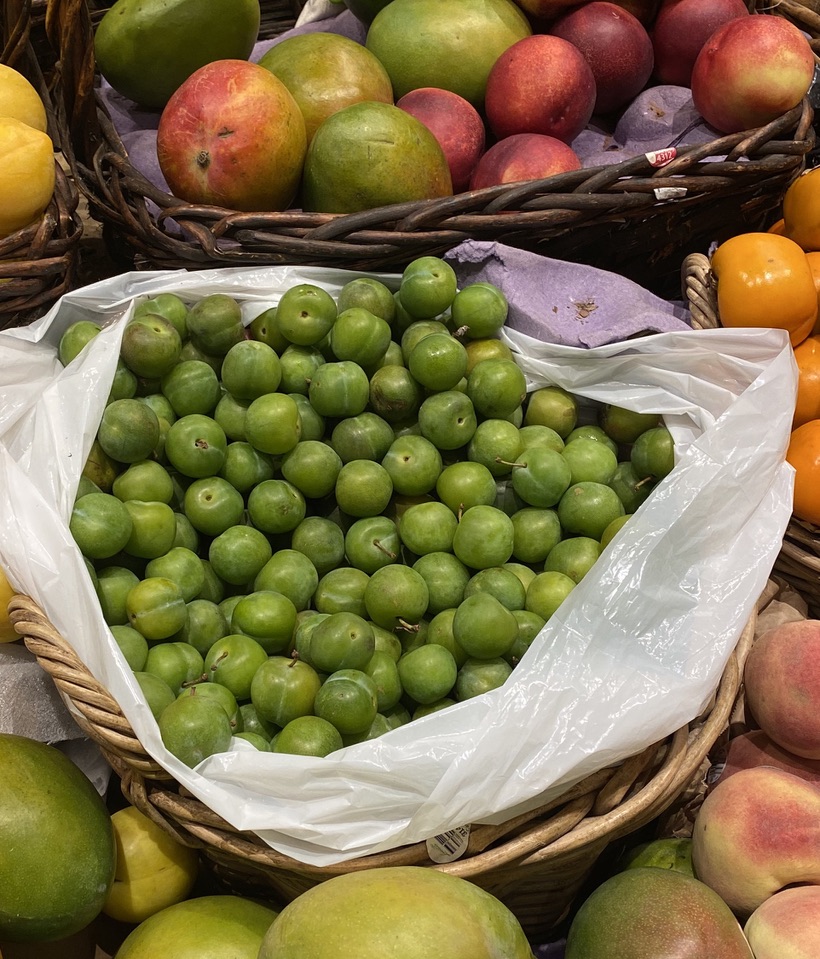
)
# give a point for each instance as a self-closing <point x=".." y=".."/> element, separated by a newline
<point x="37" y="263"/>
<point x="535" y="863"/>
<point x="607" y="216"/>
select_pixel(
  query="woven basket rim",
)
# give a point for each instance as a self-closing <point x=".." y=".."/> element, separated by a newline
<point x="617" y="189"/>
<point x="618" y="196"/>
<point x="657" y="775"/>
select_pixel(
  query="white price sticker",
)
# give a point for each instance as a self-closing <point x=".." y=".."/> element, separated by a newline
<point x="449" y="846"/>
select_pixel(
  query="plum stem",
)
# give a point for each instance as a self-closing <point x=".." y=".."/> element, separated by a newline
<point x="387" y="552"/>
<point x="218" y="660"/>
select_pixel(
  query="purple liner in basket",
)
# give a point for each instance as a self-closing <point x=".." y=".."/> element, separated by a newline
<point x="562" y="302"/>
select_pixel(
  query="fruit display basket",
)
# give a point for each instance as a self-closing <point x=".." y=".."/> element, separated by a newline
<point x="799" y="558"/>
<point x="621" y="217"/>
<point x="536" y="863"/>
<point x="37" y="263"/>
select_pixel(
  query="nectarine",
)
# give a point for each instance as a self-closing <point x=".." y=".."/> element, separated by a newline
<point x="782" y="680"/>
<point x="756" y="833"/>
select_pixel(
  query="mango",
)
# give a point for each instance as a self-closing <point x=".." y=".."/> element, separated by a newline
<point x="146" y="48"/>
<point x="411" y="912"/>
<point x="207" y="927"/>
<point x="654" y="913"/>
<point x="664" y="853"/>
<point x="58" y="855"/>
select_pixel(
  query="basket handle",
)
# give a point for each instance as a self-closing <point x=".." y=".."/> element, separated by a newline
<point x="71" y="19"/>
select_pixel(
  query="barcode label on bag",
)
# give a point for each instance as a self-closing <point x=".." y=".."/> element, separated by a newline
<point x="661" y="157"/>
<point x="449" y="846"/>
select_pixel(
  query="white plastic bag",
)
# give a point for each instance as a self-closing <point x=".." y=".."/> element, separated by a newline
<point x="633" y="654"/>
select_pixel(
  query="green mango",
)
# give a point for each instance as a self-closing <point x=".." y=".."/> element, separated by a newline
<point x="147" y="48"/>
<point x="59" y="853"/>
<point x="410" y="912"/>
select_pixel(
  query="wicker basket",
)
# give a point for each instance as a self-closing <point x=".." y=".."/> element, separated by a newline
<point x="799" y="559"/>
<point x="536" y="863"/>
<point x="605" y="216"/>
<point x="37" y="263"/>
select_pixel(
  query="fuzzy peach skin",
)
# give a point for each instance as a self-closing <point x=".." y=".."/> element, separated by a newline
<point x="756" y="749"/>
<point x="782" y="682"/>
<point x="750" y="71"/>
<point x="757" y="832"/>
<point x="787" y="926"/>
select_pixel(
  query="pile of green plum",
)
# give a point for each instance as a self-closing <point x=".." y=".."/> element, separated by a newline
<point x="346" y="516"/>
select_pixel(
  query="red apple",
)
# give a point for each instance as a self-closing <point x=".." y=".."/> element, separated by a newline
<point x="455" y="123"/>
<point x="786" y="926"/>
<point x="756" y="749"/>
<point x="751" y="71"/>
<point x="681" y="29"/>
<point x="755" y="833"/>
<point x="782" y="684"/>
<point x="541" y="84"/>
<point x="615" y="45"/>
<point x="232" y="136"/>
<point x="523" y="156"/>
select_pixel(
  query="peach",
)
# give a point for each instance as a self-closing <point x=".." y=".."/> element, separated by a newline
<point x="616" y="46"/>
<point x="525" y="156"/>
<point x="755" y="833"/>
<point x="786" y="926"/>
<point x="756" y="749"/>
<point x="750" y="71"/>
<point x="681" y="29"/>
<point x="782" y="681"/>
<point x="541" y="84"/>
<point x="455" y="123"/>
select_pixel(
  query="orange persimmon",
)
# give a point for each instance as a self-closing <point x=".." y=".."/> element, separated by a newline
<point x="777" y="227"/>
<point x="807" y="357"/>
<point x="814" y="264"/>
<point x="801" y="210"/>
<point x="804" y="455"/>
<point x="765" y="280"/>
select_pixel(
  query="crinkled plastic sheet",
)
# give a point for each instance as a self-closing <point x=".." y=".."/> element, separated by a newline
<point x="634" y="653"/>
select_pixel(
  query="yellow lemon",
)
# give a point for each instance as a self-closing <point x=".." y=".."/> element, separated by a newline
<point x="26" y="174"/>
<point x="153" y="869"/>
<point x="20" y="100"/>
<point x="7" y="633"/>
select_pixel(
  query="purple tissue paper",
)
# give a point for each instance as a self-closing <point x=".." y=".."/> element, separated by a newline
<point x="562" y="302"/>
